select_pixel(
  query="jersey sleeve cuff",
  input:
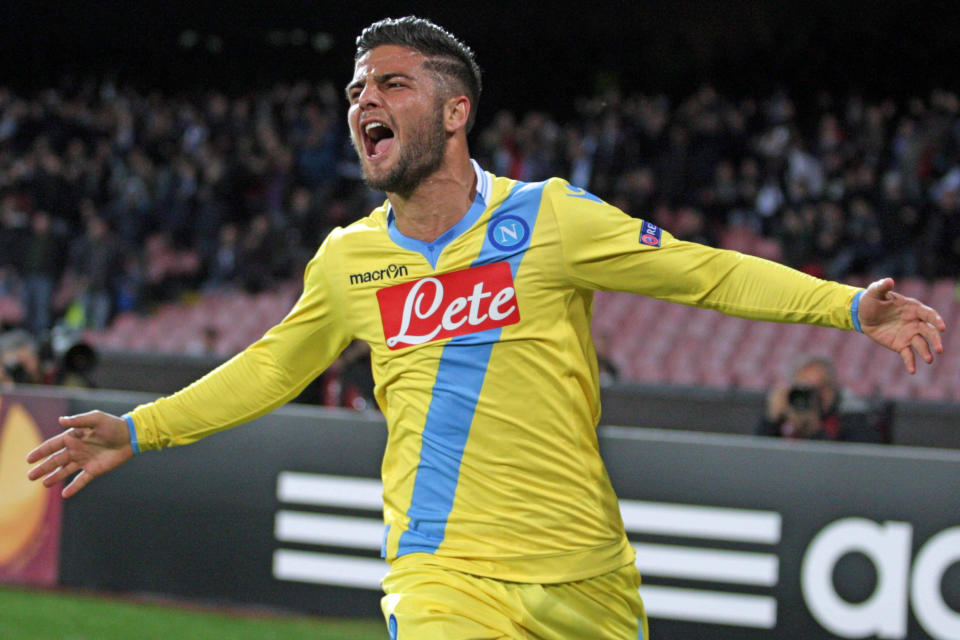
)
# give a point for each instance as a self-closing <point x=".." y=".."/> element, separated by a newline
<point x="133" y="432"/>
<point x="855" y="310"/>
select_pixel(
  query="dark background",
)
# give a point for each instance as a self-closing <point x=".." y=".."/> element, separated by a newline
<point x="535" y="55"/>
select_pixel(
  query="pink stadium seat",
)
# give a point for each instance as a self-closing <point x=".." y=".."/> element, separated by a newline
<point x="913" y="287"/>
<point x="716" y="375"/>
<point x="746" y="241"/>
<point x="696" y="346"/>
<point x="651" y="341"/>
<point x="944" y="292"/>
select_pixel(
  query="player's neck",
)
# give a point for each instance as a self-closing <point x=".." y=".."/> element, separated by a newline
<point x="439" y="202"/>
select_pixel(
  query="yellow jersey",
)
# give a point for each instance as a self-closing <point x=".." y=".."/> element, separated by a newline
<point x="485" y="369"/>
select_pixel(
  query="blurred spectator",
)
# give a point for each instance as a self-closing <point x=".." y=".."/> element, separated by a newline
<point x="943" y="236"/>
<point x="691" y="225"/>
<point x="306" y="216"/>
<point x="40" y="265"/>
<point x="901" y="225"/>
<point x="797" y="234"/>
<point x="13" y="236"/>
<point x="319" y="149"/>
<point x="129" y="284"/>
<point x="224" y="268"/>
<point x="816" y="407"/>
<point x="260" y="261"/>
<point x="168" y="271"/>
<point x="94" y="261"/>
<point x="862" y="244"/>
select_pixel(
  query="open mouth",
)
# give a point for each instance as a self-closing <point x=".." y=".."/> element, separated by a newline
<point x="377" y="139"/>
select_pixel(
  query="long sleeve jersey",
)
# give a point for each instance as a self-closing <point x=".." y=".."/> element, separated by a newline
<point x="484" y="366"/>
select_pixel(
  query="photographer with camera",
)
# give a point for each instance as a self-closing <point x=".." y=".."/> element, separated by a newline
<point x="816" y="407"/>
<point x="20" y="359"/>
<point x="62" y="358"/>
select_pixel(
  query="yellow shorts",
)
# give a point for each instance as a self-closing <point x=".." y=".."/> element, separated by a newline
<point x="425" y="602"/>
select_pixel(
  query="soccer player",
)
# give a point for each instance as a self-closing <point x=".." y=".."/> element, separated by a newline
<point x="474" y="293"/>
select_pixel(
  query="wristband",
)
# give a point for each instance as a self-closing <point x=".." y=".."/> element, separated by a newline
<point x="855" y="310"/>
<point x="133" y="432"/>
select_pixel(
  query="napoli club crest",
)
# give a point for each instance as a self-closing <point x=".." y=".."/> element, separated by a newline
<point x="508" y="232"/>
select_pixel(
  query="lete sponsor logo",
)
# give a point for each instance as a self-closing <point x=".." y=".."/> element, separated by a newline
<point x="448" y="305"/>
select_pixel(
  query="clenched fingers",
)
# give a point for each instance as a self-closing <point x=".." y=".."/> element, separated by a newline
<point x="930" y="316"/>
<point x="931" y="333"/>
<point x="921" y="346"/>
<point x="909" y="359"/>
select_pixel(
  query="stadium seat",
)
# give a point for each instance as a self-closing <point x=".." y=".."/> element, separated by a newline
<point x="650" y="341"/>
<point x="913" y="287"/>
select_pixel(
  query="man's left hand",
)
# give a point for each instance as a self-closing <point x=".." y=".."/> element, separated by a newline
<point x="902" y="324"/>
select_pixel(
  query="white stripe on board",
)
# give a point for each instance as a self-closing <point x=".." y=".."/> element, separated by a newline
<point x="325" y="568"/>
<point x="329" y="491"/>
<point x="714" y="523"/>
<point x="715" y="565"/>
<point x="661" y="602"/>
<point x="693" y="605"/>
<point x="717" y="523"/>
<point x="319" y="528"/>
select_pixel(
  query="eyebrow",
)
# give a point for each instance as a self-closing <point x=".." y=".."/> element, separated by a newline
<point x="379" y="79"/>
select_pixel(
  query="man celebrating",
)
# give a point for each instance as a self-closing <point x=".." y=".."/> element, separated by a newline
<point x="474" y="293"/>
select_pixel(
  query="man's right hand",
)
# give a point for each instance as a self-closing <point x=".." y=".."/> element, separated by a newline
<point x="777" y="402"/>
<point x="93" y="444"/>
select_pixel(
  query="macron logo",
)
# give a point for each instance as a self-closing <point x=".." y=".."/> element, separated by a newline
<point x="388" y="273"/>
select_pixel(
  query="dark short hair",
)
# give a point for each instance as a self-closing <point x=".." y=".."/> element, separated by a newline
<point x="447" y="56"/>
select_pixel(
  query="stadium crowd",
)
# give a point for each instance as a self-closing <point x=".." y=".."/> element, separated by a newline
<point x="113" y="199"/>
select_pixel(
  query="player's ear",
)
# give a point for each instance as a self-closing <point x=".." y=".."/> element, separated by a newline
<point x="456" y="113"/>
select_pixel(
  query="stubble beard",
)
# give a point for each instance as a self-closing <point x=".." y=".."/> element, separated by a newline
<point x="418" y="160"/>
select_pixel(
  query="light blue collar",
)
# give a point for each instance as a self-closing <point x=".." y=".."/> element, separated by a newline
<point x="432" y="250"/>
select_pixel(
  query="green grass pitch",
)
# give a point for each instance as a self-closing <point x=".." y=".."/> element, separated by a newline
<point x="44" y="615"/>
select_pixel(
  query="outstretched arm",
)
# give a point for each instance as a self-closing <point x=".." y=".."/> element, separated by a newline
<point x="266" y="374"/>
<point x="902" y="324"/>
<point x="93" y="444"/>
<point x="627" y="254"/>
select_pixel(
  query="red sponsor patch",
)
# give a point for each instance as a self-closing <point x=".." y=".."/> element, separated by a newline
<point x="448" y="305"/>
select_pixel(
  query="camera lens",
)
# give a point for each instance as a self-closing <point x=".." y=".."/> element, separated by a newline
<point x="801" y="398"/>
<point x="16" y="372"/>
